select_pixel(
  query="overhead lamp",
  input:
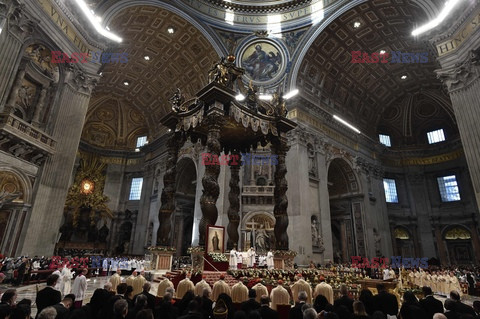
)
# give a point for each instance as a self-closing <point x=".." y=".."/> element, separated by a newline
<point x="403" y="77"/>
<point x="382" y="51"/>
<point x="126" y="83"/>
<point x="290" y="94"/>
<point x="171" y="30"/>
<point x="95" y="23"/>
<point x="350" y="126"/>
<point x="137" y="150"/>
<point x="449" y="5"/>
<point x="356" y="24"/>
<point x="147" y="58"/>
<point x="265" y="97"/>
<point x="169" y="129"/>
<point x="240" y="97"/>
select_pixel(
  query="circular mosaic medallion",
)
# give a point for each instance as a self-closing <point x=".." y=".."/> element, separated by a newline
<point x="263" y="61"/>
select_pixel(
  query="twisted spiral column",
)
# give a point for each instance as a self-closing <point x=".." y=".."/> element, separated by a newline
<point x="233" y="198"/>
<point x="211" y="189"/>
<point x="280" y="148"/>
<point x="168" y="193"/>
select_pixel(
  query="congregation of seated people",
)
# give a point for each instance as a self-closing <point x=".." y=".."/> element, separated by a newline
<point x="119" y="300"/>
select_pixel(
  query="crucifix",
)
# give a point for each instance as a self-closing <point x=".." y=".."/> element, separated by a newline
<point x="253" y="225"/>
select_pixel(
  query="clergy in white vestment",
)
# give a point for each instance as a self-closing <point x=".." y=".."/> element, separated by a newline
<point x="115" y="280"/>
<point x="162" y="286"/>
<point x="220" y="287"/>
<point x="270" y="263"/>
<point x="233" y="259"/>
<point x="138" y="283"/>
<point x="261" y="290"/>
<point x="324" y="289"/>
<point x="279" y="296"/>
<point x="200" y="286"/>
<point x="302" y="285"/>
<point x="251" y="257"/>
<point x="183" y="286"/>
<point x="79" y="288"/>
<point x="239" y="292"/>
<point x="58" y="285"/>
<point x="67" y="276"/>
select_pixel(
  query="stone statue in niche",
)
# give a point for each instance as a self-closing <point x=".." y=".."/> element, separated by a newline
<point x="312" y="163"/>
<point x="317" y="240"/>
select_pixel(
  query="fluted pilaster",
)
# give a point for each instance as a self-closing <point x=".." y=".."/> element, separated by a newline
<point x="54" y="180"/>
<point x="17" y="27"/>
<point x="463" y="83"/>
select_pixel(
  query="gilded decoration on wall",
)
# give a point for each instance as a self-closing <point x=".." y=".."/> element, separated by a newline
<point x="457" y="233"/>
<point x="86" y="193"/>
<point x="401" y="233"/>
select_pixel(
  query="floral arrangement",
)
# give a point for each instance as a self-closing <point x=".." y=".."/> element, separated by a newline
<point x="285" y="253"/>
<point x="196" y="249"/>
<point x="218" y="257"/>
<point x="162" y="249"/>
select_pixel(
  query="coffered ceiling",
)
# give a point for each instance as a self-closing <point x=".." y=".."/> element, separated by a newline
<point x="176" y="60"/>
<point x="361" y="92"/>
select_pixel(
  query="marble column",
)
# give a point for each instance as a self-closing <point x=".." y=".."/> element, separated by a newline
<point x="14" y="92"/>
<point x="211" y="189"/>
<point x="17" y="27"/>
<point x="442" y="251"/>
<point x="475" y="240"/>
<point x="39" y="108"/>
<point x="343" y="233"/>
<point x="67" y="124"/>
<point x="460" y="72"/>
<point x="280" y="148"/>
<point x="234" y="209"/>
<point x="140" y="239"/>
<point x="325" y="217"/>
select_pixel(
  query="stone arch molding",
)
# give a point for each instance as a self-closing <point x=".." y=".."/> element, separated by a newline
<point x="252" y="214"/>
<point x="25" y="184"/>
<point x="347" y="169"/>
<point x="459" y="231"/>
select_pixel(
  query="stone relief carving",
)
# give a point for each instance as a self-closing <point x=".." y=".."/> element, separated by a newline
<point x="462" y="74"/>
<point x="312" y="161"/>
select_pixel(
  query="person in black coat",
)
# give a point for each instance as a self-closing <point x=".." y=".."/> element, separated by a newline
<point x="321" y="303"/>
<point x="265" y="311"/>
<point x="48" y="296"/>
<point x="385" y="301"/>
<point x="411" y="308"/>
<point x="429" y="303"/>
<point x="459" y="306"/>
<point x="207" y="304"/>
<point x="344" y="300"/>
<point x="150" y="298"/>
<point x="296" y="311"/>
<point x="251" y="304"/>
<point x="63" y="308"/>
<point x="366" y="297"/>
